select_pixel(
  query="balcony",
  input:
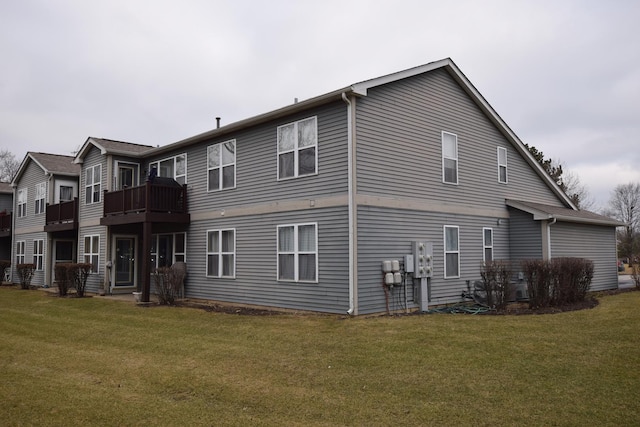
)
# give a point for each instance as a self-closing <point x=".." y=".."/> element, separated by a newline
<point x="5" y="224"/>
<point x="62" y="216"/>
<point x="164" y="200"/>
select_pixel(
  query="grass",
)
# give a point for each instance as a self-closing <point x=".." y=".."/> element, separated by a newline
<point x="92" y="361"/>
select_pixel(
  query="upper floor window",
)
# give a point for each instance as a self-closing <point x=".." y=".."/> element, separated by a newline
<point x="174" y="167"/>
<point x="66" y="193"/>
<point x="298" y="252"/>
<point x="22" y="202"/>
<point x="92" y="183"/>
<point x="38" y="254"/>
<point x="221" y="165"/>
<point x="487" y="244"/>
<point x="221" y="253"/>
<point x="41" y="191"/>
<point x="297" y="148"/>
<point x="449" y="158"/>
<point x="502" y="165"/>
<point x="451" y="251"/>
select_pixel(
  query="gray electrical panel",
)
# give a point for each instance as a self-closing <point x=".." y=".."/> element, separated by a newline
<point x="422" y="259"/>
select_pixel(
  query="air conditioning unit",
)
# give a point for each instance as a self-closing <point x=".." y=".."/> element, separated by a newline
<point x="521" y="291"/>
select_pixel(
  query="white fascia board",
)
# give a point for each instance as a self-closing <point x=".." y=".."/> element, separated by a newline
<point x="23" y="166"/>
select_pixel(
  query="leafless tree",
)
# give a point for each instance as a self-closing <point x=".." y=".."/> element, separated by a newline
<point x="8" y="165"/>
<point x="624" y="205"/>
<point x="577" y="192"/>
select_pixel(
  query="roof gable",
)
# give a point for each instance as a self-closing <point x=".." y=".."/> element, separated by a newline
<point x="54" y="164"/>
<point x="361" y="89"/>
<point x="110" y="146"/>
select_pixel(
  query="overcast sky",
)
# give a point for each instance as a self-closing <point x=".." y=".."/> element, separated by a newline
<point x="564" y="75"/>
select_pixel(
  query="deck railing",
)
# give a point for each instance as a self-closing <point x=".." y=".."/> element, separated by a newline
<point x="63" y="212"/>
<point x="5" y="222"/>
<point x="146" y="198"/>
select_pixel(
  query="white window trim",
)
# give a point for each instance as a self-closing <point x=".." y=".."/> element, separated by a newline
<point x="156" y="238"/>
<point x="22" y="196"/>
<point x="220" y="253"/>
<point x="444" y="236"/>
<point x="38" y="257"/>
<point x="136" y="173"/>
<point x="296" y="149"/>
<point x="485" y="246"/>
<point x="93" y="184"/>
<point x="450" y="158"/>
<point x="500" y="165"/>
<point x="40" y="196"/>
<point x="21" y="246"/>
<point x="221" y="166"/>
<point x="90" y="254"/>
<point x="175" y="160"/>
<point x="296" y="253"/>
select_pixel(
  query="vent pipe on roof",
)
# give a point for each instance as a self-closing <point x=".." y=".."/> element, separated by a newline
<point x="295" y="100"/>
<point x="217" y="122"/>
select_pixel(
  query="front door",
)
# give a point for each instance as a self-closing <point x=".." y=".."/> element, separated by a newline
<point x="124" y="248"/>
<point x="63" y="252"/>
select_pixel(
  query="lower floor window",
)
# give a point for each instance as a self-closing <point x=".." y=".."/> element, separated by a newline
<point x="92" y="251"/>
<point x="167" y="249"/>
<point x="298" y="252"/>
<point x="221" y="253"/>
<point x="20" y="246"/>
<point x="451" y="251"/>
<point x="38" y="254"/>
<point x="487" y="239"/>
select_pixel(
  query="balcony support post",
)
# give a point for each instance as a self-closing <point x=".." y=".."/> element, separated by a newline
<point x="146" y="261"/>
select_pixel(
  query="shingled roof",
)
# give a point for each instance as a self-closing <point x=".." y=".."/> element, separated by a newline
<point x="56" y="164"/>
<point x="543" y="212"/>
<point x="110" y="146"/>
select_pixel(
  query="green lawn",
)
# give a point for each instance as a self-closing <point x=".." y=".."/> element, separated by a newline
<point x="94" y="361"/>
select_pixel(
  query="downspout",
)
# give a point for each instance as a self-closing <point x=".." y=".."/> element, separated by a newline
<point x="353" y="277"/>
<point x="49" y="277"/>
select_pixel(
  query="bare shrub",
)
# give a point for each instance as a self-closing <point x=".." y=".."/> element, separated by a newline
<point x="538" y="275"/>
<point x="62" y="279"/>
<point x="77" y="275"/>
<point x="496" y="283"/>
<point x="25" y="273"/>
<point x="168" y="282"/>
<point x="635" y="270"/>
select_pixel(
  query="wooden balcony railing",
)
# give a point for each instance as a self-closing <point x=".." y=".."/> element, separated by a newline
<point x="147" y="198"/>
<point x="63" y="212"/>
<point x="5" y="222"/>
<point x="62" y="216"/>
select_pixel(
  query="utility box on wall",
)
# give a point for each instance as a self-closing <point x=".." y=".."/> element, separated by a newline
<point x="422" y="258"/>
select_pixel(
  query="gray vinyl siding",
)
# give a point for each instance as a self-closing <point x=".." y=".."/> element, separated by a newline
<point x="32" y="175"/>
<point x="256" y="262"/>
<point x="38" y="278"/>
<point x="399" y="149"/>
<point x="597" y="243"/>
<point x="92" y="211"/>
<point x="387" y="234"/>
<point x="256" y="165"/>
<point x="525" y="236"/>
<point x="95" y="282"/>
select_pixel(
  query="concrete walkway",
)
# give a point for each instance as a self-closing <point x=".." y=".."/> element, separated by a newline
<point x="625" y="281"/>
